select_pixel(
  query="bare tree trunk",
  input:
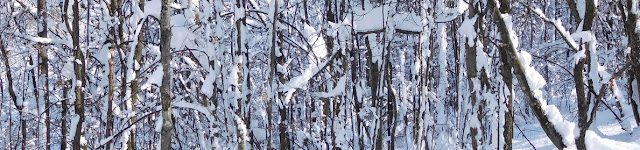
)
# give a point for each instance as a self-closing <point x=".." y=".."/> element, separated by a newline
<point x="392" y="104"/>
<point x="79" y="69"/>
<point x="165" y="88"/>
<point x="373" y="82"/>
<point x="113" y="9"/>
<point x="272" y="73"/>
<point x="12" y="93"/>
<point x="509" y="49"/>
<point x="66" y="84"/>
<point x="583" y="102"/>
<point x="65" y="110"/>
<point x="631" y="20"/>
<point x="240" y="60"/>
<point x="355" y="80"/>
<point x="574" y="12"/>
<point x="135" y="83"/>
<point x="44" y="67"/>
<point x="472" y="73"/>
<point x="507" y="76"/>
<point x="36" y="96"/>
<point x="110" y="97"/>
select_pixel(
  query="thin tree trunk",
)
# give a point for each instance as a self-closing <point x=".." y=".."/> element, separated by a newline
<point x="391" y="99"/>
<point x="272" y="73"/>
<point x="165" y="88"/>
<point x="584" y="102"/>
<point x="373" y="82"/>
<point x="509" y="50"/>
<point x="79" y="69"/>
<point x="44" y="67"/>
<point x="634" y="58"/>
<point x="65" y="102"/>
<point x="110" y="98"/>
<point x="242" y="63"/>
<point x="113" y="9"/>
<point x="65" y="110"/>
<point x="36" y="96"/>
<point x="12" y="93"/>
<point x="135" y="83"/>
<point x="472" y="73"/>
<point x="507" y="76"/>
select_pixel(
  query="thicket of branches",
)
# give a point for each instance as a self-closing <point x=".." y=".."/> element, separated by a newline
<point x="320" y="74"/>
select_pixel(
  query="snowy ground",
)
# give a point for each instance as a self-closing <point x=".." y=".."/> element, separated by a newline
<point x="607" y="131"/>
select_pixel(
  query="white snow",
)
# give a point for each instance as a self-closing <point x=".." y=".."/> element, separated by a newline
<point x="580" y="6"/>
<point x="194" y="106"/>
<point x="175" y="6"/>
<point x="317" y="43"/>
<point x="408" y="22"/>
<point x="68" y="71"/>
<point x="181" y="35"/>
<point x="593" y="141"/>
<point x="207" y="85"/>
<point x="536" y="82"/>
<point x="302" y="79"/>
<point x="374" y="20"/>
<point x="154" y="79"/>
<point x="158" y="125"/>
<point x="446" y="14"/>
<point x="369" y="20"/>
<point x="338" y="90"/>
<point x="44" y="40"/>
<point x="152" y="8"/>
<point x="509" y="23"/>
<point x="468" y="31"/>
<point x="74" y="123"/>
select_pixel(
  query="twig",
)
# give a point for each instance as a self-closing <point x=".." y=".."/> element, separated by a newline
<point x="126" y="129"/>
<point x="525" y="137"/>
<point x="614" y="114"/>
<point x="561" y="67"/>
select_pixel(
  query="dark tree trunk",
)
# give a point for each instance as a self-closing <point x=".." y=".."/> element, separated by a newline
<point x="165" y="88"/>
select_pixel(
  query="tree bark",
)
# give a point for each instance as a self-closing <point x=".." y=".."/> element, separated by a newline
<point x="240" y="60"/>
<point x="113" y="7"/>
<point x="165" y="88"/>
<point x="135" y="83"/>
<point x="79" y="71"/>
<point x="507" y="77"/>
<point x="634" y="44"/>
<point x="44" y="67"/>
<point x="274" y="61"/>
<point x="65" y="110"/>
<point x="110" y="98"/>
<point x="584" y="102"/>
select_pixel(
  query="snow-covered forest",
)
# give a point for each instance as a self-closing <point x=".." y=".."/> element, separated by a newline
<point x="319" y="74"/>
